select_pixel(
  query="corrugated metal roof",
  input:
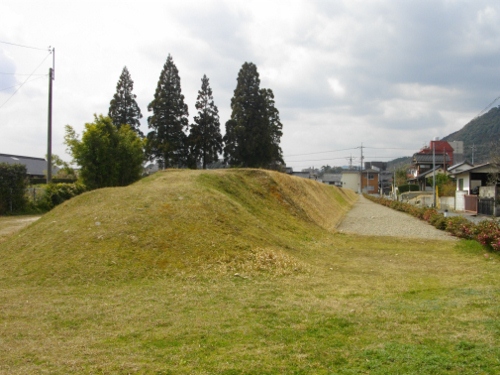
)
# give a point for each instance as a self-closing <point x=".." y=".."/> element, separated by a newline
<point x="34" y="166"/>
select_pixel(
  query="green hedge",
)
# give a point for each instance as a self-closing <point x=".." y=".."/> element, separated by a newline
<point x="13" y="183"/>
<point x="56" y="194"/>
<point x="407" y="188"/>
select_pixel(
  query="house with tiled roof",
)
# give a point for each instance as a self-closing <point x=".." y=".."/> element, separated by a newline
<point x="438" y="156"/>
<point x="35" y="167"/>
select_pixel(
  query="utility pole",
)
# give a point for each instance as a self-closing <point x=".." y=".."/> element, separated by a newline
<point x="434" y="174"/>
<point x="49" y="125"/>
<point x="360" y="171"/>
<point x="473" y="148"/>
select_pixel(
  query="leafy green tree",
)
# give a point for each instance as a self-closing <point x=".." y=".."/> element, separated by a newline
<point x="123" y="108"/>
<point x="205" y="139"/>
<point x="401" y="176"/>
<point x="108" y="156"/>
<point x="64" y="170"/>
<point x="254" y="131"/>
<point x="445" y="184"/>
<point x="167" y="142"/>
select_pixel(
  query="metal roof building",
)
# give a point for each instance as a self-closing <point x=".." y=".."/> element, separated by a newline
<point x="36" y="167"/>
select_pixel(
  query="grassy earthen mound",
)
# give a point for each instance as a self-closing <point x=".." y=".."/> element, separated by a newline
<point x="177" y="221"/>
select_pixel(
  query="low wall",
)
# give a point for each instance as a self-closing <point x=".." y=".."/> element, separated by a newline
<point x="447" y="203"/>
<point x="427" y="200"/>
<point x="460" y="200"/>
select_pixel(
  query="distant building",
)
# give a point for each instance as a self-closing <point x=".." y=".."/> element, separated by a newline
<point x="35" y="167"/>
<point x="438" y="154"/>
<point x="350" y="180"/>
<point x="370" y="181"/>
<point x="333" y="179"/>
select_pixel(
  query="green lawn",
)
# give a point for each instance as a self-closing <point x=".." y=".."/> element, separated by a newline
<point x="365" y="305"/>
<point x="238" y="272"/>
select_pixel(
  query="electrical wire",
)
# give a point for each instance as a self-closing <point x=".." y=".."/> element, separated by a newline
<point x="26" y="80"/>
<point x="323" y="152"/>
<point x="34" y="79"/>
<point x="23" y="46"/>
<point x="17" y="74"/>
<point x="487" y="107"/>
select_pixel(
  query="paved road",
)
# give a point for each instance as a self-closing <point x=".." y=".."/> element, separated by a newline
<point x="368" y="218"/>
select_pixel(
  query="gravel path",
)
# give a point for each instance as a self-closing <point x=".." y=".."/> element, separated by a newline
<point x="373" y="219"/>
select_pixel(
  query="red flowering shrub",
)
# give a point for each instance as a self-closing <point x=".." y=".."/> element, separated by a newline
<point x="460" y="227"/>
<point x="488" y="234"/>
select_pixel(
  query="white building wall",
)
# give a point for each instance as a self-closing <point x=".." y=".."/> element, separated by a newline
<point x="350" y="181"/>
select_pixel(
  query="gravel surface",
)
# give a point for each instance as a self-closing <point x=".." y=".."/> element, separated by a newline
<point x="373" y="219"/>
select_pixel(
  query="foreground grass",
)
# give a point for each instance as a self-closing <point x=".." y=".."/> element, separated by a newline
<point x="238" y="272"/>
<point x="366" y="305"/>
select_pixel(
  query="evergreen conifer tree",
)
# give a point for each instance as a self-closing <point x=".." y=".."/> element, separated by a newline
<point x="166" y="142"/>
<point x="123" y="108"/>
<point x="254" y="131"/>
<point x="205" y="139"/>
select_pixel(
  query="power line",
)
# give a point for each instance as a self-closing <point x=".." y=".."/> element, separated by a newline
<point x="29" y="80"/>
<point x="17" y="74"/>
<point x="343" y="158"/>
<point x="323" y="152"/>
<point x="23" y="46"/>
<point x="487" y="107"/>
<point x="15" y="92"/>
<point x="388" y="148"/>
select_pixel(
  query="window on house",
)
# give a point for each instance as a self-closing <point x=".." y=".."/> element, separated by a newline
<point x="460" y="184"/>
<point x="371" y="176"/>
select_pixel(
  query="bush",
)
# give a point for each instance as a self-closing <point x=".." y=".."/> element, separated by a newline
<point x="13" y="183"/>
<point x="460" y="227"/>
<point x="488" y="234"/>
<point x="407" y="188"/>
<point x="438" y="221"/>
<point x="56" y="194"/>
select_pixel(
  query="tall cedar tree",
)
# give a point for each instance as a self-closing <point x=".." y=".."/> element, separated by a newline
<point x="123" y="108"/>
<point x="254" y="131"/>
<point x="205" y="139"/>
<point x="167" y="142"/>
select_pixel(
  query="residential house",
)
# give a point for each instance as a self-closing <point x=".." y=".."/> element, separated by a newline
<point x="477" y="188"/>
<point x="460" y="167"/>
<point x="333" y="179"/>
<point x="439" y="155"/>
<point x="421" y="180"/>
<point x="472" y="178"/>
<point x="35" y="167"/>
<point x="370" y="181"/>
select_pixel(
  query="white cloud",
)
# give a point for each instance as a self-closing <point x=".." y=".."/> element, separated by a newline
<point x="386" y="73"/>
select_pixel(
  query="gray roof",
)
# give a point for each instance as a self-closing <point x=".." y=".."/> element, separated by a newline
<point x="427" y="158"/>
<point x="332" y="177"/>
<point x="465" y="165"/>
<point x="34" y="166"/>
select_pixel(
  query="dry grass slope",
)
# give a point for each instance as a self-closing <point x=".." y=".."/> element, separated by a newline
<point x="177" y="221"/>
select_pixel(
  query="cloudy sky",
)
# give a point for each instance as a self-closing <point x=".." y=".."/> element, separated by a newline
<point x="389" y="75"/>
